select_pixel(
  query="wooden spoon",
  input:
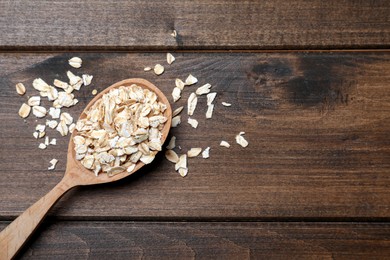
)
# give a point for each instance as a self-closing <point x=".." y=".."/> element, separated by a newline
<point x="16" y="234"/>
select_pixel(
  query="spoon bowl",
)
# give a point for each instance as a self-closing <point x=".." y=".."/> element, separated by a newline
<point x="16" y="234"/>
<point x="87" y="177"/>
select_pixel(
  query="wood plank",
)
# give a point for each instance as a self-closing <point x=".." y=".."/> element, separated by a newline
<point x="317" y="126"/>
<point x="221" y="24"/>
<point x="207" y="240"/>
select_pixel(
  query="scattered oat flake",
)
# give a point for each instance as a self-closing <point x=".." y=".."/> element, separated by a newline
<point x="170" y="58"/>
<point x="179" y="84"/>
<point x="24" y="110"/>
<point x="190" y="80"/>
<point x="158" y="69"/>
<point x="53" y="163"/>
<point x="209" y="112"/>
<point x="20" y="89"/>
<point x="94" y="92"/>
<point x="54" y="112"/>
<point x="60" y="84"/>
<point x="211" y="97"/>
<point x="53" y="141"/>
<point x="34" y="101"/>
<point x="193" y="152"/>
<point x="193" y="122"/>
<point x="67" y="118"/>
<point x="183" y="172"/>
<point x="75" y="62"/>
<point x="224" y="144"/>
<point x="41" y="134"/>
<point x="39" y="111"/>
<point x="174" y="33"/>
<point x="87" y="79"/>
<point x="74" y="81"/>
<point x="172" y="143"/>
<point x="64" y="100"/>
<point x="71" y="127"/>
<point x="241" y="140"/>
<point x="205" y="89"/>
<point x="62" y="128"/>
<point x="226" y="104"/>
<point x="46" y="140"/>
<point x="176" y="94"/>
<point x="147" y="69"/>
<point x="35" y="134"/>
<point x="40" y="85"/>
<point x="40" y="128"/>
<point x="176" y="121"/>
<point x="51" y="123"/>
<point x="206" y="153"/>
<point x="42" y="146"/>
<point x="177" y="111"/>
<point x="182" y="163"/>
<point x="171" y="156"/>
<point x="192" y="101"/>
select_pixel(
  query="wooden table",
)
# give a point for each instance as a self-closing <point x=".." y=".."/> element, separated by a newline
<point x="309" y="83"/>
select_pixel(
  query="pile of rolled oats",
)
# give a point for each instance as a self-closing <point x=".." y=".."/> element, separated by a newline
<point x="121" y="128"/>
<point x="62" y="97"/>
<point x="124" y="126"/>
<point x="180" y="161"/>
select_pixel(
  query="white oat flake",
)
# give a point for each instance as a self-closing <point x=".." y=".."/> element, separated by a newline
<point x="34" y="101"/>
<point x="176" y="121"/>
<point x="205" y="89"/>
<point x="211" y="97"/>
<point x="87" y="79"/>
<point x="20" y="89"/>
<point x="42" y="146"/>
<point x="75" y="62"/>
<point x="206" y="153"/>
<point x="176" y="94"/>
<point x="209" y="112"/>
<point x="24" y="110"/>
<point x="193" y="152"/>
<point x="190" y="80"/>
<point x="193" y="122"/>
<point x="179" y="83"/>
<point x="172" y="143"/>
<point x="224" y="144"/>
<point x="192" y="101"/>
<point x="241" y="140"/>
<point x="39" y="111"/>
<point x="170" y="58"/>
<point x="158" y="69"/>
<point x="54" y="112"/>
<point x="177" y="111"/>
<point x="53" y="163"/>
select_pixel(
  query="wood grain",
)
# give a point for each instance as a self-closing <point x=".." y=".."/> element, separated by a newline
<point x="221" y="24"/>
<point x="317" y="126"/>
<point x="205" y="240"/>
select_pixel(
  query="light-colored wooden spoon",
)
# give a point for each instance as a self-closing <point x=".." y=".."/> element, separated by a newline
<point x="15" y="235"/>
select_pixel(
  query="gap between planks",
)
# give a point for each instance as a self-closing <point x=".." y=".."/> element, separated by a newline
<point x="345" y="220"/>
<point x="160" y="50"/>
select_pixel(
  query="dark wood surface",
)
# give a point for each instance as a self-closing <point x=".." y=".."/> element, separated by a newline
<point x="205" y="240"/>
<point x="221" y="24"/>
<point x="317" y="123"/>
<point x="295" y="119"/>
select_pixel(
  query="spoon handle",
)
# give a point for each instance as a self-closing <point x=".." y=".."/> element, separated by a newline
<point x="16" y="234"/>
